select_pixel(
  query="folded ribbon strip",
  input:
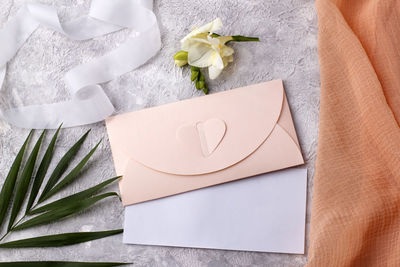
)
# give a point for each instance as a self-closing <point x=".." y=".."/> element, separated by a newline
<point x="89" y="103"/>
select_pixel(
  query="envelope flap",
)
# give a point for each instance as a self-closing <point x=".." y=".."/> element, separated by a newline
<point x="200" y="135"/>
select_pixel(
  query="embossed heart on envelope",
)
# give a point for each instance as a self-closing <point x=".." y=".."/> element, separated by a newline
<point x="209" y="133"/>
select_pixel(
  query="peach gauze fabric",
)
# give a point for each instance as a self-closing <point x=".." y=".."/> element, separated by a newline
<point x="355" y="217"/>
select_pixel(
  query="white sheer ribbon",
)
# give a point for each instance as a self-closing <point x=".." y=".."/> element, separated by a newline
<point x="89" y="103"/>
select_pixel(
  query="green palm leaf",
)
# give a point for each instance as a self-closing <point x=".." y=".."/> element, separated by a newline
<point x="62" y="166"/>
<point x="24" y="181"/>
<point x="73" y="198"/>
<point x="51" y="212"/>
<point x="59" y="240"/>
<point x="42" y="170"/>
<point x="72" y="175"/>
<point x="67" y="210"/>
<point x="9" y="183"/>
<point x="59" y="264"/>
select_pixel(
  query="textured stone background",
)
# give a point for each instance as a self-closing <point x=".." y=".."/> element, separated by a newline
<point x="288" y="30"/>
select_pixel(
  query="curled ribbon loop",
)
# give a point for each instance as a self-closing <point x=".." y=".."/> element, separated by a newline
<point x="89" y="103"/>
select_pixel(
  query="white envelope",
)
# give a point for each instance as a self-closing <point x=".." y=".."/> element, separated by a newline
<point x="265" y="213"/>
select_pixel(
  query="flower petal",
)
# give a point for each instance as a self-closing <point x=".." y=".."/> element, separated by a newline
<point x="201" y="55"/>
<point x="227" y="51"/>
<point x="214" y="41"/>
<point x="217" y="61"/>
<point x="213" y="26"/>
<point x="214" y="72"/>
<point x="227" y="60"/>
<point x="185" y="44"/>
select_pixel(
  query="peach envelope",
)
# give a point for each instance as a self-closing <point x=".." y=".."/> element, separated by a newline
<point x="204" y="141"/>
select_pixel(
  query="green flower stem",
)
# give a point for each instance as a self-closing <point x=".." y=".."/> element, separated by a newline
<point x="240" y="38"/>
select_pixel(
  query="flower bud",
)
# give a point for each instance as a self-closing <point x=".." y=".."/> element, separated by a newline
<point x="180" y="63"/>
<point x="200" y="85"/>
<point x="181" y="58"/>
<point x="195" y="73"/>
<point x="202" y="78"/>
<point x="181" y="55"/>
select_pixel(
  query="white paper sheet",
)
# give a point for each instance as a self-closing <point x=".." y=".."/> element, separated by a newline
<point x="264" y="213"/>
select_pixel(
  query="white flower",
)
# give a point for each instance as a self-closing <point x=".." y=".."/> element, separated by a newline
<point x="208" y="50"/>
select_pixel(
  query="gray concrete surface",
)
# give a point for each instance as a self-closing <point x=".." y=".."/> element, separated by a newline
<point x="288" y="30"/>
